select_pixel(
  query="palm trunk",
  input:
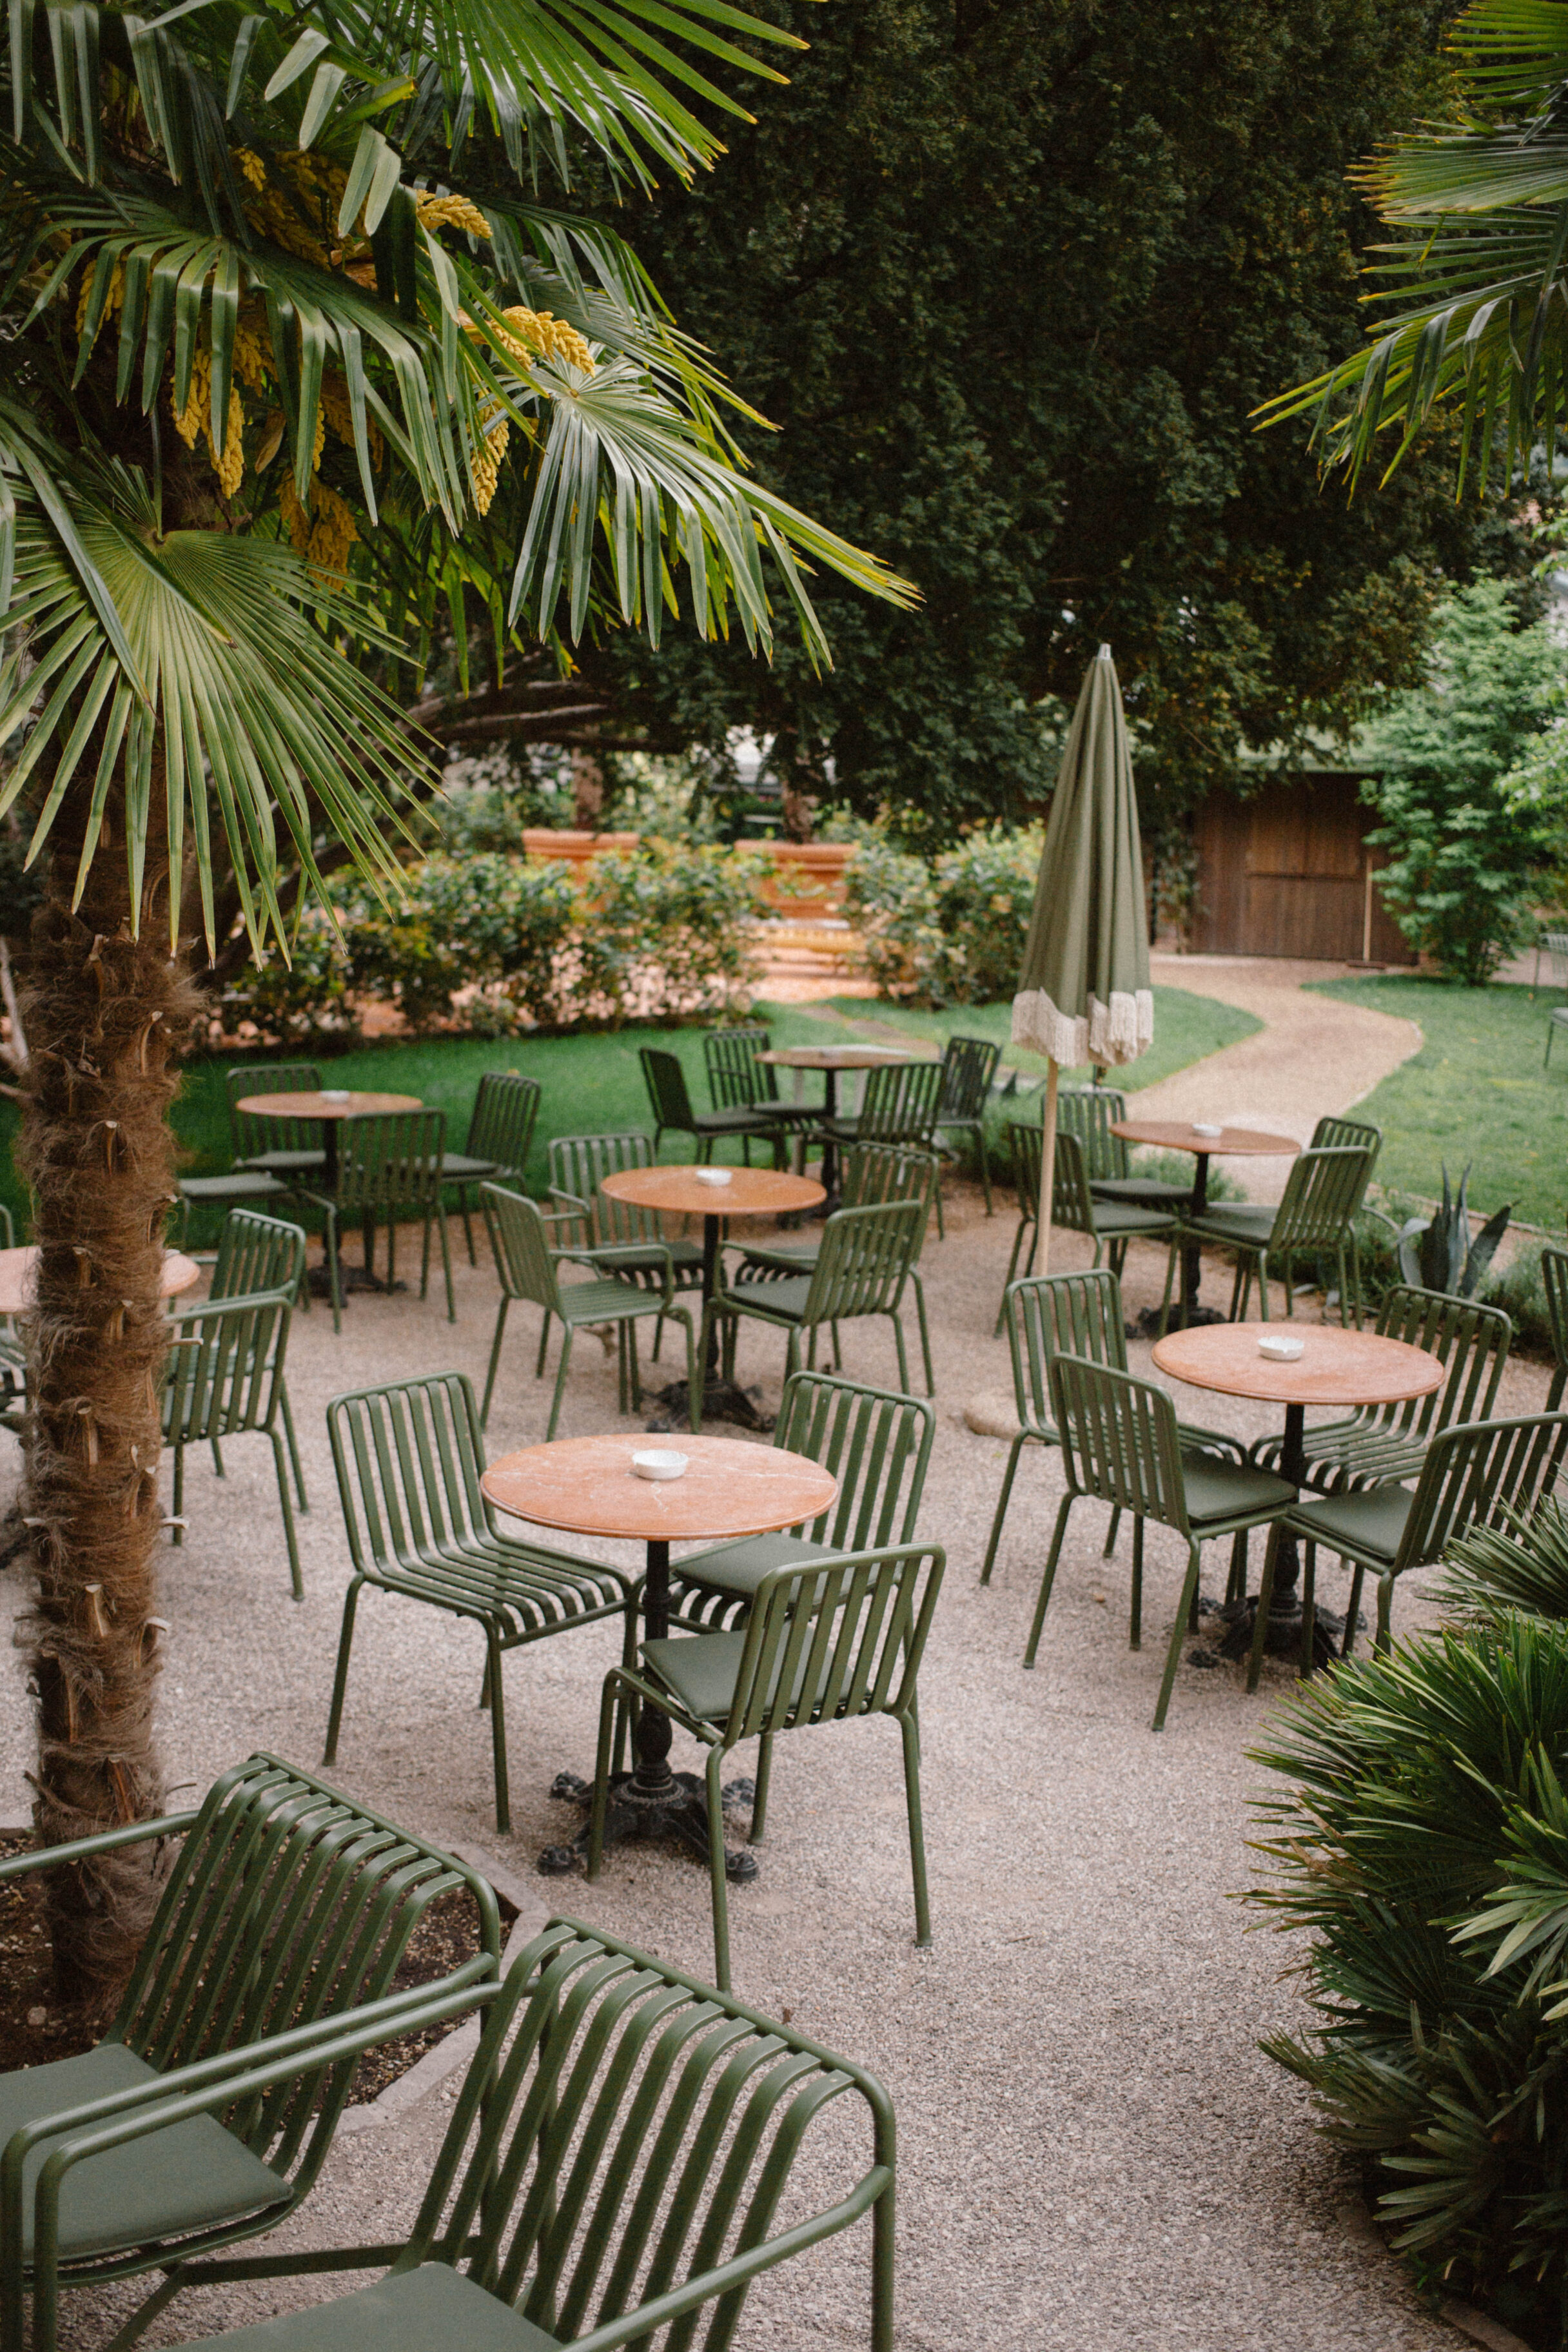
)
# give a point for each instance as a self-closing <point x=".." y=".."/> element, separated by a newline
<point x="105" y="1013"/>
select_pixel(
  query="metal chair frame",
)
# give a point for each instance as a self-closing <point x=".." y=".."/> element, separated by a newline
<point x="223" y="1377"/>
<point x="670" y="1101"/>
<point x="519" y="1240"/>
<point x="585" y="1218"/>
<point x="388" y="1163"/>
<point x="496" y="1147"/>
<point x="1121" y="1445"/>
<point x="871" y="1175"/>
<point x="828" y="1641"/>
<point x="1554" y="1280"/>
<point x="408" y="1457"/>
<point x="1315" y="1218"/>
<point x="1556" y="946"/>
<point x="968" y="1067"/>
<point x="267" y="1969"/>
<point x="1088" y="1112"/>
<point x="737" y="1080"/>
<point x="282" y="1148"/>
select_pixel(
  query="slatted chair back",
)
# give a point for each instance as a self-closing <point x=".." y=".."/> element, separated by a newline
<point x="1554" y="1276"/>
<point x="1481" y="1474"/>
<point x="1054" y="1314"/>
<point x="873" y="1173"/>
<point x="968" y="1067"/>
<point x="627" y="2130"/>
<point x="864" y="1261"/>
<point x="256" y="1253"/>
<point x="899" y="1104"/>
<point x="1029" y="1140"/>
<point x="224" y="1366"/>
<point x="1118" y="1439"/>
<point x="1470" y="1341"/>
<point x="1072" y="1203"/>
<point x="1330" y="1132"/>
<point x="390" y="1160"/>
<point x="831" y="1639"/>
<point x="1088" y="1112"/>
<point x="876" y="1443"/>
<point x="252" y="1137"/>
<point x="285" y="1904"/>
<point x="736" y="1079"/>
<point x="578" y="1166"/>
<point x="408" y="1457"/>
<point x="1323" y="1194"/>
<point x="669" y="1096"/>
<point x="506" y="1110"/>
<point x="519" y="1240"/>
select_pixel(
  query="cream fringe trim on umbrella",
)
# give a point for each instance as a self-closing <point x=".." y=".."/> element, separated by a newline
<point x="1112" y="1034"/>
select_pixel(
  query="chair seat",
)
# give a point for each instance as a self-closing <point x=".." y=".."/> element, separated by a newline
<point x="793" y="1255"/>
<point x="191" y="2177"/>
<point x="1111" y="1222"/>
<point x="284" y="1163"/>
<point x="1366" y="1525"/>
<point x="239" y="1184"/>
<point x="684" y="1256"/>
<point x="457" y="1168"/>
<point x="741" y="1567"/>
<point x="603" y="1302"/>
<point x="1236" y="1221"/>
<point x="432" y="2309"/>
<point x="1224" y="1490"/>
<point x="1140" y="1191"/>
<point x="731" y="1122"/>
<point x="785" y="1299"/>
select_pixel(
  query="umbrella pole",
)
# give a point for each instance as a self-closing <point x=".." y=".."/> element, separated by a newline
<point x="1048" y="1165"/>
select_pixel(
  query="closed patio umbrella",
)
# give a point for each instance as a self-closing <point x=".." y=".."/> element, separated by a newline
<point x="1083" y="993"/>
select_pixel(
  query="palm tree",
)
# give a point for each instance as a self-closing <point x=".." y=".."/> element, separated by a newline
<point x="304" y="349"/>
<point x="1477" y="307"/>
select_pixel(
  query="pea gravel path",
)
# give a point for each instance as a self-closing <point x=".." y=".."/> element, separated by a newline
<point x="1094" y="2153"/>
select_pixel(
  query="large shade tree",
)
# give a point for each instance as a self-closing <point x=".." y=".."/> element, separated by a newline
<point x="304" y="346"/>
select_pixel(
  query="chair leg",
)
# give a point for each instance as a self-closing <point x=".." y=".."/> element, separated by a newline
<point x="919" y="1290"/>
<point x="602" y="1775"/>
<point x="1236" y="1588"/>
<point x="1048" y="1579"/>
<point x="424" y="1255"/>
<point x="838" y="1348"/>
<point x="716" y="1869"/>
<point x="218" y="1470"/>
<point x="1339" y="1262"/>
<point x="1178" y="1634"/>
<point x="1005" y="1496"/>
<point x="177" y="1496"/>
<point x="1171" y="1256"/>
<point x="341" y="1678"/>
<point x="941" y="1227"/>
<point x="498" y="1728"/>
<point x="465" y="1212"/>
<point x="903" y="1357"/>
<point x="1135" y="1623"/>
<point x="908" y="1725"/>
<point x="1381" y="1639"/>
<point x="1265" y="1602"/>
<point x="1110" y="1533"/>
<point x="1308" y="1605"/>
<point x="1012" y="1266"/>
<point x="293" y="1444"/>
<point x="634" y="1375"/>
<point x="984" y="1166"/>
<point x="543" y="1344"/>
<point x="567" y="1336"/>
<point x="332" y="1245"/>
<point x="1263" y="1287"/>
<point x="445" y="1261"/>
<point x="1347" y="1642"/>
<point x="280" y="1463"/>
<point x="760" y="1798"/>
<point x="494" y="1357"/>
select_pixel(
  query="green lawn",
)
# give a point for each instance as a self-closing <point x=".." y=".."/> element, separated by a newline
<point x="593" y="1083"/>
<point x="1475" y="1095"/>
<point x="1186" y="1027"/>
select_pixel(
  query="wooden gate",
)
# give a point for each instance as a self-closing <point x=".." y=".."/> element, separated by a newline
<point x="1287" y="873"/>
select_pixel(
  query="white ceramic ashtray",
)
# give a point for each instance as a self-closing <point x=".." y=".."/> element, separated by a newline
<point x="335" y="1094"/>
<point x="714" y="1176"/>
<point x="659" y="1461"/>
<point x="1205" y="1126"/>
<point x="1283" y="1350"/>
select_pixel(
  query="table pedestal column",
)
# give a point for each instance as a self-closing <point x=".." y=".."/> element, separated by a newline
<point x="651" y="1800"/>
<point x="1282" y="1638"/>
<point x="722" y="1399"/>
<point x="1186" y="1311"/>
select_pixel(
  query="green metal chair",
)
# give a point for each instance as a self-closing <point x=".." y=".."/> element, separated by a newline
<point x="737" y="1080"/>
<point x="673" y="1113"/>
<point x="1315" y="1218"/>
<point x="1480" y="1473"/>
<point x="520" y="1242"/>
<point x="1089" y="1112"/>
<point x="1331" y="1131"/>
<point x="1122" y="1444"/>
<point x="1554" y="1277"/>
<point x="1378" y="1443"/>
<point x="968" y="1067"/>
<point x="614" y="2173"/>
<point x="408" y="1457"/>
<point x="870" y="1174"/>
<point x="223" y="1377"/>
<point x="898" y="1105"/>
<point x="499" y="1136"/>
<point x="1076" y="1209"/>
<point x="585" y="1218"/>
<point x="864" y="1265"/>
<point x="254" y="1255"/>
<point x="389" y="1165"/>
<point x="1082" y="1314"/>
<point x="281" y="1147"/>
<point x="205" y="2113"/>
<point x="826" y="1642"/>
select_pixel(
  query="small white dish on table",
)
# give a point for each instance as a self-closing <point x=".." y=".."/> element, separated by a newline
<point x="335" y="1094"/>
<point x="659" y="1461"/>
<point x="1206" y="1126"/>
<point x="715" y="1176"/>
<point x="1282" y="1349"/>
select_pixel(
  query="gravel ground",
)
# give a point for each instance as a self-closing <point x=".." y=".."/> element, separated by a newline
<point x="1094" y="2152"/>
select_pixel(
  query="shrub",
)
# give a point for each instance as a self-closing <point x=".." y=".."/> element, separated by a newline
<point x="673" y="929"/>
<point x="305" y="1001"/>
<point x="1424" y="1845"/>
<point x="950" y="931"/>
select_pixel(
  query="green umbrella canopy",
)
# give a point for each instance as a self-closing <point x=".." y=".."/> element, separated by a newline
<point x="1083" y="993"/>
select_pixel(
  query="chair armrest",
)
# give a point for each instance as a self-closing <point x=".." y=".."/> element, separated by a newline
<point x="48" y="1857"/>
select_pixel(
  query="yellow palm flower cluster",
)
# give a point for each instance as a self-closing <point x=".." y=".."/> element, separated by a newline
<point x="451" y="212"/>
<point x="485" y="462"/>
<point x="322" y="527"/>
<point x="197" y="418"/>
<point x="534" y="334"/>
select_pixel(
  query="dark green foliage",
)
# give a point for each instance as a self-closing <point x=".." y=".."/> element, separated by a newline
<point x="950" y="930"/>
<point x="1425" y="1845"/>
<point x="1010" y="278"/>
<point x="1493" y="1569"/>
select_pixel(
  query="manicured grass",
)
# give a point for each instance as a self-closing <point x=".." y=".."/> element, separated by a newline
<point x="1186" y="1027"/>
<point x="1476" y="1094"/>
<point x="593" y="1084"/>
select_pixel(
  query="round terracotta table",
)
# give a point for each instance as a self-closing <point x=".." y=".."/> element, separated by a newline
<point x="1335" y="1368"/>
<point x="331" y="1111"/>
<point x="680" y="1192"/>
<point x="830" y="1060"/>
<point x="16" y="1277"/>
<point x="587" y="1486"/>
<point x="1230" y="1143"/>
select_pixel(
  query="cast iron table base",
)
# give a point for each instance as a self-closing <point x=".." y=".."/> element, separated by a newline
<point x="721" y="1400"/>
<point x="675" y="1809"/>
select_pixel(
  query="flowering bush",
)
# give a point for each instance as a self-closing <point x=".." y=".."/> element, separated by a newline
<point x="949" y="931"/>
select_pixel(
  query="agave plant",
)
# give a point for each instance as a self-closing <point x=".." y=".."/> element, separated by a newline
<point x="1437" y="1254"/>
<point x="1523" y="1565"/>
<point x="1424" y="1846"/>
<point x="304" y="348"/>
